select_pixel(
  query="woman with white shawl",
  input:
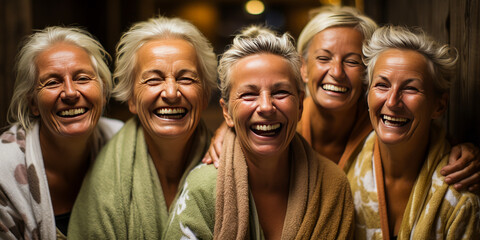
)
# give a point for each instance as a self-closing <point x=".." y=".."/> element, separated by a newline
<point x="62" y="85"/>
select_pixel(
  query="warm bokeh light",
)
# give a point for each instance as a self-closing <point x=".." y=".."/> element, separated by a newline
<point x="255" y="7"/>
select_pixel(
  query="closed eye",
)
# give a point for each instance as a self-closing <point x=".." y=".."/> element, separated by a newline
<point x="250" y="96"/>
<point x="281" y="94"/>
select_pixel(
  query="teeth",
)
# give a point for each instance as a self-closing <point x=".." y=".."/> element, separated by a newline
<point x="394" y="119"/>
<point x="331" y="87"/>
<point x="266" y="127"/>
<point x="165" y="111"/>
<point x="72" y="112"/>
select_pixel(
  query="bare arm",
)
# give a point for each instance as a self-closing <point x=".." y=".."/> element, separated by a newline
<point x="213" y="153"/>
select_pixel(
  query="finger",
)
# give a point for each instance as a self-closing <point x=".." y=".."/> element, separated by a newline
<point x="468" y="182"/>
<point x="455" y="153"/>
<point x="458" y="164"/>
<point x="458" y="176"/>
<point x="475" y="188"/>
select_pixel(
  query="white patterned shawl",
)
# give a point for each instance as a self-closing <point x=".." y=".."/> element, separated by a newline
<point x="26" y="210"/>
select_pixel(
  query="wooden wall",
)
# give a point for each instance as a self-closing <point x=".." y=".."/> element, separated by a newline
<point x="456" y="22"/>
<point x="15" y="23"/>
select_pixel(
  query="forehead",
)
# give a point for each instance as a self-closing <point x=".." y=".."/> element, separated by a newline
<point x="344" y="38"/>
<point x="166" y="49"/>
<point x="402" y="62"/>
<point x="63" y="55"/>
<point x="261" y="69"/>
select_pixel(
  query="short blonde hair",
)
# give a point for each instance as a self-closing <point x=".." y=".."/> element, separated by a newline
<point x="327" y="17"/>
<point x="254" y="40"/>
<point x="441" y="59"/>
<point x="26" y="69"/>
<point x="161" y="28"/>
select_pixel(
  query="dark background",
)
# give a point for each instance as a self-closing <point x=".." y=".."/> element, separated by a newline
<point x="455" y="22"/>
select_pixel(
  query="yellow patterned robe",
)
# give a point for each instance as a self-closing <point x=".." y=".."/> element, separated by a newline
<point x="435" y="210"/>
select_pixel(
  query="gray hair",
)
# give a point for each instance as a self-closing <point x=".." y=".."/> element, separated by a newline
<point x="441" y="59"/>
<point x="255" y="40"/>
<point x="161" y="28"/>
<point x="327" y="17"/>
<point x="26" y="69"/>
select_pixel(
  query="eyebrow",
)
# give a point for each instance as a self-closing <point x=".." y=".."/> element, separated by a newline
<point x="347" y="55"/>
<point x="48" y="75"/>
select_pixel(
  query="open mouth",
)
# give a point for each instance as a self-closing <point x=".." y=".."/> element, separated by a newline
<point x="266" y="129"/>
<point x="72" y="112"/>
<point x="171" y="113"/>
<point x="394" y="121"/>
<point x="334" y="88"/>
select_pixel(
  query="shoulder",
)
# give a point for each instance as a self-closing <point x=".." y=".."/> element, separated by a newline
<point x="202" y="178"/>
<point x="331" y="172"/>
<point x="109" y="126"/>
<point x="12" y="145"/>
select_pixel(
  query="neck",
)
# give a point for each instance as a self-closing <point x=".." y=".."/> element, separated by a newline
<point x="65" y="156"/>
<point x="400" y="163"/>
<point x="171" y="160"/>
<point x="66" y="161"/>
<point x="269" y="174"/>
<point x="331" y="130"/>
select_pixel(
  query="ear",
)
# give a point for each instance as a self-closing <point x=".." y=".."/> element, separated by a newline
<point x="131" y="106"/>
<point x="226" y="114"/>
<point x="301" y="96"/>
<point x="303" y="71"/>
<point x="442" y="105"/>
<point x="33" y="107"/>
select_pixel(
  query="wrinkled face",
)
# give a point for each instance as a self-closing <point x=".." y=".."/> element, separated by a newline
<point x="264" y="104"/>
<point x="401" y="98"/>
<point x="168" y="94"/>
<point x="333" y="69"/>
<point x="68" y="95"/>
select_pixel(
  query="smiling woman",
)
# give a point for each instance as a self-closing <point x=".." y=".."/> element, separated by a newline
<point x="270" y="184"/>
<point x="61" y="87"/>
<point x="396" y="181"/>
<point x="165" y="69"/>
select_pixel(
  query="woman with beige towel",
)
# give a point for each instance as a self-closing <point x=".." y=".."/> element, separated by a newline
<point x="165" y="68"/>
<point x="270" y="184"/>
<point x="396" y="181"/>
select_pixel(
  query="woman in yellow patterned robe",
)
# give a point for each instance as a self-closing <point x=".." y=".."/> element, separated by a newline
<point x="396" y="182"/>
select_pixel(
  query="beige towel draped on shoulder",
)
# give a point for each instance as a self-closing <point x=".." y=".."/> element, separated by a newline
<point x="319" y="204"/>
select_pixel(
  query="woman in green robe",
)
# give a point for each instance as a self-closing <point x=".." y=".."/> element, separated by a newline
<point x="164" y="70"/>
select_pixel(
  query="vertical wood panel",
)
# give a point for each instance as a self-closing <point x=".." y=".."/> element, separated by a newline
<point x="465" y="96"/>
<point x="15" y="23"/>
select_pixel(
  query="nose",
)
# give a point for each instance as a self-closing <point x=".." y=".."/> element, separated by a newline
<point x="170" y="92"/>
<point x="394" y="99"/>
<point x="336" y="69"/>
<point x="70" y="92"/>
<point x="265" y="104"/>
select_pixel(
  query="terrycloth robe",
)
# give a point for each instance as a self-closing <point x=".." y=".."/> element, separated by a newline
<point x="359" y="133"/>
<point x="26" y="210"/>
<point x="319" y="202"/>
<point x="121" y="197"/>
<point x="435" y="210"/>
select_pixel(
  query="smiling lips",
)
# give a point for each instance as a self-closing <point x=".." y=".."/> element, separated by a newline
<point x="72" y="112"/>
<point x="334" y="88"/>
<point x="266" y="129"/>
<point x="394" y="121"/>
<point x="171" y="113"/>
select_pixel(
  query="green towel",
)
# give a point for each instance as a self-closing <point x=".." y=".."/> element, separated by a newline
<point x="122" y="197"/>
